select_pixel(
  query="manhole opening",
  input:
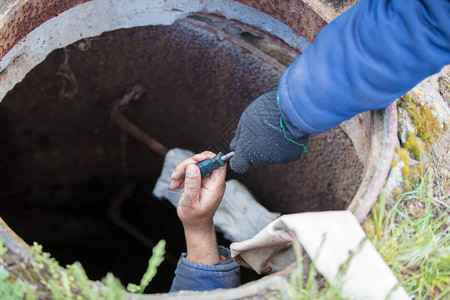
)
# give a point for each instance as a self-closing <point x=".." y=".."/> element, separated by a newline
<point x="63" y="159"/>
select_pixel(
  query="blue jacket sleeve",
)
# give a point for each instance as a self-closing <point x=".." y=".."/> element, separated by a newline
<point x="198" y="277"/>
<point x="365" y="59"/>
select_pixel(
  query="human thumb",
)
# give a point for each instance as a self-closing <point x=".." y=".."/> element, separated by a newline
<point x="193" y="180"/>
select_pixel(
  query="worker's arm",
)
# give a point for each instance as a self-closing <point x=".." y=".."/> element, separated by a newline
<point x="365" y="59"/>
<point x="202" y="267"/>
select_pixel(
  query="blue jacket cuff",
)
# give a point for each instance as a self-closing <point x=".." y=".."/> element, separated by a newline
<point x="288" y="110"/>
<point x="198" y="277"/>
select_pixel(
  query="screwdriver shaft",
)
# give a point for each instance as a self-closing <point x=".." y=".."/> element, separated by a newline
<point x="227" y="156"/>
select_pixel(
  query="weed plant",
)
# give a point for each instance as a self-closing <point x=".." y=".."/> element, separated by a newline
<point x="154" y="262"/>
<point x="413" y="238"/>
<point x="68" y="283"/>
<point x="311" y="285"/>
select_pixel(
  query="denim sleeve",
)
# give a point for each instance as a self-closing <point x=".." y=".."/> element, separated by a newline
<point x="366" y="58"/>
<point x="198" y="277"/>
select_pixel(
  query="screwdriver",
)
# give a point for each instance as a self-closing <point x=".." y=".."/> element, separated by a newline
<point x="210" y="164"/>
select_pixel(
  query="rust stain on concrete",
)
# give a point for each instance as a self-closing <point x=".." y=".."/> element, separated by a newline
<point x="26" y="16"/>
<point x="294" y="13"/>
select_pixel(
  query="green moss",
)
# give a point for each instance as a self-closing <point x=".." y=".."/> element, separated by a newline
<point x="406" y="97"/>
<point x="394" y="163"/>
<point x="414" y="145"/>
<point x="405" y="172"/>
<point x="404" y="157"/>
<point x="427" y="126"/>
<point x="411" y="174"/>
<point x="446" y="127"/>
<point x="404" y="154"/>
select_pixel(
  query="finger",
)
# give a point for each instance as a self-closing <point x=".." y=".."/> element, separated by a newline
<point x="239" y="163"/>
<point x="178" y="174"/>
<point x="192" y="183"/>
<point x="204" y="155"/>
<point x="216" y="178"/>
<point x="175" y="184"/>
<point x="181" y="167"/>
<point x="198" y="158"/>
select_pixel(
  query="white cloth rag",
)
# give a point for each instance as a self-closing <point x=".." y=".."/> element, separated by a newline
<point x="329" y="238"/>
<point x="239" y="216"/>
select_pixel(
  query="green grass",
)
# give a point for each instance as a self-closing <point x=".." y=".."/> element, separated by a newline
<point x="310" y="285"/>
<point x="413" y="238"/>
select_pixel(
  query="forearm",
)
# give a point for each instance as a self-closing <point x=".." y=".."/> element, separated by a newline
<point x="201" y="244"/>
<point x="201" y="268"/>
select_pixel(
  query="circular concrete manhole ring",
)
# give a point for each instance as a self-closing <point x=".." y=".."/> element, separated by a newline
<point x="31" y="30"/>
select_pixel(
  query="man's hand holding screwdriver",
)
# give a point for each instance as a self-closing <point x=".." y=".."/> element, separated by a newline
<point x="199" y="202"/>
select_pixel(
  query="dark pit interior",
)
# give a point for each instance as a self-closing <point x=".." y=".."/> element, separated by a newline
<point x="63" y="160"/>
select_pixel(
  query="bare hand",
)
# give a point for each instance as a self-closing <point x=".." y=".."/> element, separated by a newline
<point x="197" y="206"/>
<point x="201" y="197"/>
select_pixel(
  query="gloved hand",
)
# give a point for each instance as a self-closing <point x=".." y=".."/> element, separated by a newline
<point x="261" y="137"/>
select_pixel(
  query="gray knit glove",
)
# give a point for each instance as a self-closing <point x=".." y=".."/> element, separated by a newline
<point x="262" y="137"/>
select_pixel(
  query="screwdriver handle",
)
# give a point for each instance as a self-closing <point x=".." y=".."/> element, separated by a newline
<point x="210" y="164"/>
